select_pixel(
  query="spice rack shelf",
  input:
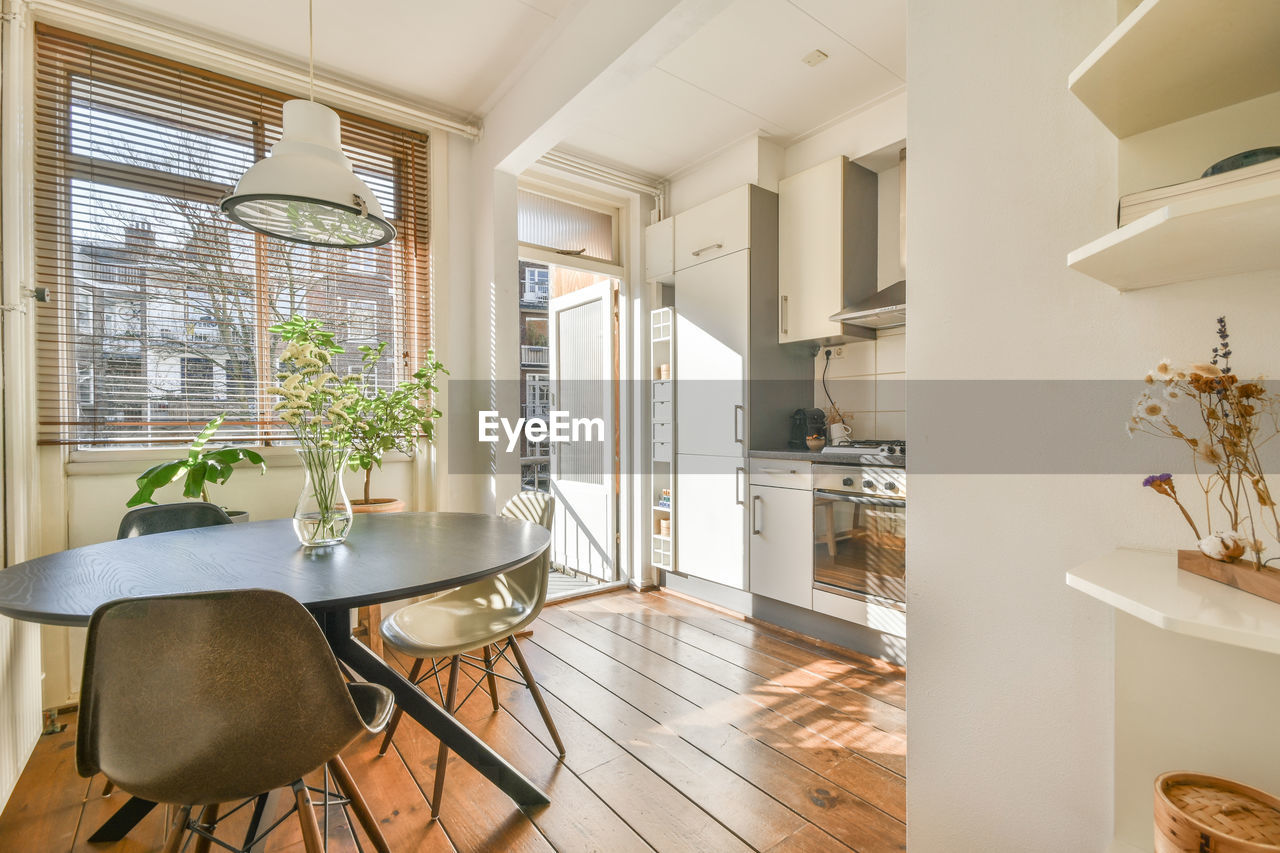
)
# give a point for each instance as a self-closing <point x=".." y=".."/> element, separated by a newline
<point x="1148" y="584"/>
<point x="1173" y="59"/>
<point x="662" y="472"/>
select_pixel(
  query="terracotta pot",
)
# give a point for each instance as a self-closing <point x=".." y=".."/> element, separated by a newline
<point x="377" y="505"/>
<point x="238" y="516"/>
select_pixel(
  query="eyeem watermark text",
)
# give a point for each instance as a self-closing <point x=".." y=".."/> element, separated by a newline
<point x="557" y="428"/>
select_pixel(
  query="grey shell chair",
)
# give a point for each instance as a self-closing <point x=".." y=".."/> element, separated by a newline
<point x="207" y="698"/>
<point x="144" y="520"/>
<point x="484" y="615"/>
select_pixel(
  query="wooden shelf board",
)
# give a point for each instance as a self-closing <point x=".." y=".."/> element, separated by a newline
<point x="1173" y="59"/>
<point x="662" y="508"/>
<point x="663" y="538"/>
<point x="1147" y="584"/>
<point x="1231" y="231"/>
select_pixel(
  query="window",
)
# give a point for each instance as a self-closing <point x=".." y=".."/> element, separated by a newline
<point x="161" y="304"/>
<point x="553" y="223"/>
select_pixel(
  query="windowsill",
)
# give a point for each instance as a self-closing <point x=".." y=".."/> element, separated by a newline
<point x="107" y="461"/>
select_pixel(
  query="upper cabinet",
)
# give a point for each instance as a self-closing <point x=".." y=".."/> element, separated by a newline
<point x="1168" y="63"/>
<point x="659" y="251"/>
<point x="714" y="228"/>
<point x="826" y="247"/>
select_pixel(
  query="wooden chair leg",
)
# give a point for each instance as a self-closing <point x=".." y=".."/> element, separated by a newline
<point x="347" y="785"/>
<point x="207" y="819"/>
<point x="399" y="712"/>
<point x="311" y="840"/>
<point x="493" y="682"/>
<point x="442" y="757"/>
<point x="108" y="787"/>
<point x="527" y="674"/>
<point x="177" y="830"/>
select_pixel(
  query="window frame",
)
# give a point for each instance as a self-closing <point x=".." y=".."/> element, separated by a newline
<point x="412" y="298"/>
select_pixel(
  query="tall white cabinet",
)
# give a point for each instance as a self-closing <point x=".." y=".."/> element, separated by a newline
<point x="736" y="385"/>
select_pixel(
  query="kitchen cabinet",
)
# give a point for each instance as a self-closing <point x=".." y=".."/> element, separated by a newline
<point x="659" y="250"/>
<point x="736" y="386"/>
<point x="781" y="550"/>
<point x="711" y="518"/>
<point x="713" y="330"/>
<point x="718" y="227"/>
<point x="827" y="249"/>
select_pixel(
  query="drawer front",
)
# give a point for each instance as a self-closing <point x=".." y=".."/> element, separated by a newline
<point x="887" y="620"/>
<point x="662" y="451"/>
<point x="662" y="433"/>
<point x="712" y="229"/>
<point x="782" y="473"/>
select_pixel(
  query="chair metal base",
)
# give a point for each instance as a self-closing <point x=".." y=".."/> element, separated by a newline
<point x="485" y="665"/>
<point x="201" y="824"/>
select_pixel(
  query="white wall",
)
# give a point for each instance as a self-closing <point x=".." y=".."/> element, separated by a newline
<point x="751" y="160"/>
<point x="1012" y="694"/>
<point x="867" y="381"/>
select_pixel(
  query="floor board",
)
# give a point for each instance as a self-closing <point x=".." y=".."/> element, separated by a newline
<point x="688" y="729"/>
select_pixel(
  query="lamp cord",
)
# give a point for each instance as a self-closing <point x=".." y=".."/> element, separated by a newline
<point x="311" y="50"/>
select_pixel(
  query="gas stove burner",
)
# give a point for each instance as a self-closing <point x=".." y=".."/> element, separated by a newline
<point x="871" y="452"/>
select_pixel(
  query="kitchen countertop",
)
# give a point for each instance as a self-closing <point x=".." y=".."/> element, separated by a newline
<point x="806" y="456"/>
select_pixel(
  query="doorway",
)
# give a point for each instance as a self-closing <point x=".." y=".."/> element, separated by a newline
<point x="569" y="369"/>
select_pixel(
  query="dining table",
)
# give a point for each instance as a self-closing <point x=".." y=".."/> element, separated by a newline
<point x="386" y="557"/>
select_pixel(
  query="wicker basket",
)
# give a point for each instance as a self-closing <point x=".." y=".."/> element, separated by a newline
<point x="1195" y="813"/>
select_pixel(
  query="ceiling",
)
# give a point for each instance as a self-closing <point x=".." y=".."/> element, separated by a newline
<point x="742" y="73"/>
<point x="739" y="74"/>
<point x="435" y="53"/>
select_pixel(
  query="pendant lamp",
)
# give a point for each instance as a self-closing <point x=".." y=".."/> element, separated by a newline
<point x="305" y="190"/>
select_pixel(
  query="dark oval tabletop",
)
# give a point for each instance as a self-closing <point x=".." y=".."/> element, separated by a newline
<point x="387" y="556"/>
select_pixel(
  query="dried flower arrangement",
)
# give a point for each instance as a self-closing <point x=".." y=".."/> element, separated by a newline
<point x="1236" y="418"/>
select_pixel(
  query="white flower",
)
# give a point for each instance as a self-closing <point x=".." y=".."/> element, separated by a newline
<point x="1172" y="392"/>
<point x="1148" y="408"/>
<point x="1222" y="545"/>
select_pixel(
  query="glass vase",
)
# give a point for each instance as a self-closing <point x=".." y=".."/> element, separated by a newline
<point x="323" y="515"/>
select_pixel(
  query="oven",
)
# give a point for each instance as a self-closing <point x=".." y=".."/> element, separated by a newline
<point x="860" y="533"/>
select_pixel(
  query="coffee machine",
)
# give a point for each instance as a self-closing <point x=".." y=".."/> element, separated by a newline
<point x="804" y="423"/>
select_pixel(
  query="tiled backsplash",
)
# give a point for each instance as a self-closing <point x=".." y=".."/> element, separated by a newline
<point x="867" y="381"/>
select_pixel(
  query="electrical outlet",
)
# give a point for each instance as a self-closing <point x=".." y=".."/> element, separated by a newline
<point x="839" y="351"/>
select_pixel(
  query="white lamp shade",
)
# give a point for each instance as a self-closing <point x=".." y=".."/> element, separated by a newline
<point x="305" y="190"/>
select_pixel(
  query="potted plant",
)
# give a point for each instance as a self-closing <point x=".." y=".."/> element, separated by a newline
<point x="1233" y="418"/>
<point x="197" y="469"/>
<point x="390" y="419"/>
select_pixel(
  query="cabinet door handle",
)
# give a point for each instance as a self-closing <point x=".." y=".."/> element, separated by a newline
<point x="755" y="515"/>
<point x="739" y="486"/>
<point x="783" y="324"/>
<point x="738" y="409"/>
<point x="699" y="252"/>
<point x="779" y="471"/>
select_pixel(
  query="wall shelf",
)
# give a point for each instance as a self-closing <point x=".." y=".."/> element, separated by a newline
<point x="1148" y="584"/>
<point x="1227" y="232"/>
<point x="1173" y="59"/>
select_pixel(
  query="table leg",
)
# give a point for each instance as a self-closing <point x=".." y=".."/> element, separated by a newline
<point x="459" y="739"/>
<point x="125" y="818"/>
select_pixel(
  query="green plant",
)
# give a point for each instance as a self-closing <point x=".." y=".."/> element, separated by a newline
<point x="392" y="419"/>
<point x="200" y="467"/>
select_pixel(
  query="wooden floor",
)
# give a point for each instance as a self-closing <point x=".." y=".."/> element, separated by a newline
<point x="687" y="730"/>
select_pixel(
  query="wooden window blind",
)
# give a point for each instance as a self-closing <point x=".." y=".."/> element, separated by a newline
<point x="160" y="304"/>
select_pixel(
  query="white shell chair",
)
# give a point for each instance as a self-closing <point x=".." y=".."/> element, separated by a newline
<point x="484" y="615"/>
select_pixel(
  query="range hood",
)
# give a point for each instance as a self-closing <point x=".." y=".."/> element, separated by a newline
<point x="884" y="309"/>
